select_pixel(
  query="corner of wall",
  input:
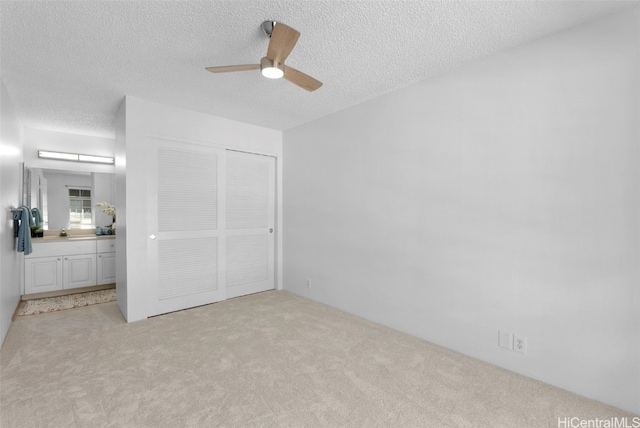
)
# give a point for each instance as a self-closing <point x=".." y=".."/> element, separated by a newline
<point x="121" y="207"/>
<point x="11" y="262"/>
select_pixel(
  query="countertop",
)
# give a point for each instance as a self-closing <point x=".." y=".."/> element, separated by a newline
<point x="71" y="238"/>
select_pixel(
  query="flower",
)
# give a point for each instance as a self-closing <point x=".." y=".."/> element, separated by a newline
<point x="107" y="208"/>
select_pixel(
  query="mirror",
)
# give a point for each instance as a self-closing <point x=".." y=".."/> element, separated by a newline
<point x="67" y="199"/>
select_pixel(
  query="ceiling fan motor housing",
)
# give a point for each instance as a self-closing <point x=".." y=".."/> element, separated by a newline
<point x="271" y="69"/>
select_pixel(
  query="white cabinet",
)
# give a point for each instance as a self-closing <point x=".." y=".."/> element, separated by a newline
<point x="78" y="271"/>
<point x="106" y="268"/>
<point x="106" y="261"/>
<point x="42" y="274"/>
<point x="62" y="265"/>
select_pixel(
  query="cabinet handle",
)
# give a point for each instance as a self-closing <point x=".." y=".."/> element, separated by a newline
<point x="100" y="255"/>
<point x="59" y="258"/>
<point x="66" y="258"/>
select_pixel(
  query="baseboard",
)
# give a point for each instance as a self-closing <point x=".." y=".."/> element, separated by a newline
<point x="66" y="292"/>
<point x="19" y="307"/>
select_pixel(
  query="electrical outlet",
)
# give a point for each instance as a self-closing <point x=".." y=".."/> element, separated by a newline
<point x="519" y="344"/>
<point x="308" y="283"/>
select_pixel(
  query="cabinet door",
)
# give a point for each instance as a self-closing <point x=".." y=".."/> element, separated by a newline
<point x="107" y="245"/>
<point x="106" y="268"/>
<point x="42" y="274"/>
<point x="79" y="271"/>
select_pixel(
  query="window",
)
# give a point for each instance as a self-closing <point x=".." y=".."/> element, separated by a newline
<point x="79" y="208"/>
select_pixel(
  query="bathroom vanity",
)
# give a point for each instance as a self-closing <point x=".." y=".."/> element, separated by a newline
<point x="61" y="263"/>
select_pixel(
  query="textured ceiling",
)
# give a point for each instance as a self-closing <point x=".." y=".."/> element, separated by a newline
<point x="68" y="64"/>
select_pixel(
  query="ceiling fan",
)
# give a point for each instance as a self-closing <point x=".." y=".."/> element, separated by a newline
<point x="283" y="39"/>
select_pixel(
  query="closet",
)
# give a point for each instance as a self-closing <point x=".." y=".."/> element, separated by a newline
<point x="210" y="225"/>
<point x="198" y="208"/>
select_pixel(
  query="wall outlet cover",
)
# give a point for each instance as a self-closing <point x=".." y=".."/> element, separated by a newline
<point x="520" y="344"/>
<point x="505" y="340"/>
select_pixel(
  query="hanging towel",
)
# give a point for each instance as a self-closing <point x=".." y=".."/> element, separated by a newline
<point x="23" y="215"/>
<point x="37" y="216"/>
<point x="17" y="215"/>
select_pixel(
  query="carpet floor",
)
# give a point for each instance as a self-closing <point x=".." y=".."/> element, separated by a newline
<point x="60" y="303"/>
<point x="271" y="359"/>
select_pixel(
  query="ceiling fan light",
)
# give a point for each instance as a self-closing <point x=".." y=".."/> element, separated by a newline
<point x="272" y="73"/>
<point x="271" y="69"/>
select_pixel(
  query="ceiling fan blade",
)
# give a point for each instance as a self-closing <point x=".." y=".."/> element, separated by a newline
<point x="228" y="68"/>
<point x="283" y="39"/>
<point x="299" y="78"/>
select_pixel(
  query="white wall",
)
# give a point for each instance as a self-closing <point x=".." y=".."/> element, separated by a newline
<point x="11" y="262"/>
<point x="135" y="121"/>
<point x="504" y="195"/>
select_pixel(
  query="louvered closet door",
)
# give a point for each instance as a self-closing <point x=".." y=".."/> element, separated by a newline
<point x="250" y="222"/>
<point x="185" y="240"/>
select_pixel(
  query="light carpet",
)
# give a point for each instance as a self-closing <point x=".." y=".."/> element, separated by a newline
<point x="271" y="359"/>
<point x="60" y="303"/>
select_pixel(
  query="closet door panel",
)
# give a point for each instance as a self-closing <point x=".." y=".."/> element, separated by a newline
<point x="247" y="259"/>
<point x="187" y="266"/>
<point x="248" y="198"/>
<point x="187" y="190"/>
<point x="250" y="219"/>
<point x="185" y="239"/>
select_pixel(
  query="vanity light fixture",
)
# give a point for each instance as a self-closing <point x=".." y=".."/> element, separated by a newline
<point x="57" y="155"/>
<point x="75" y="157"/>
<point x="95" y="159"/>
